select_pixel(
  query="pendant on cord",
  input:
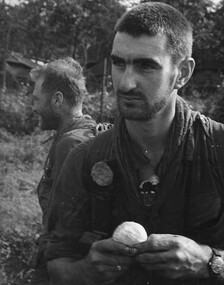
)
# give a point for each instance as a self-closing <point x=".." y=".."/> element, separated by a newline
<point x="148" y="189"/>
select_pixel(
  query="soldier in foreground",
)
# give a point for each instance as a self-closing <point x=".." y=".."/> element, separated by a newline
<point x="161" y="166"/>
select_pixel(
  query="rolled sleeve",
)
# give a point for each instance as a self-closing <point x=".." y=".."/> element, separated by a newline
<point x="67" y="218"/>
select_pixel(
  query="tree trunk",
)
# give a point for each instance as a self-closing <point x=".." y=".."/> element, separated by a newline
<point x="6" y="48"/>
<point x="104" y="87"/>
<point x="5" y="56"/>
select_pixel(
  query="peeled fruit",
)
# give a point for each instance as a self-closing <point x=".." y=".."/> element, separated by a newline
<point x="130" y="233"/>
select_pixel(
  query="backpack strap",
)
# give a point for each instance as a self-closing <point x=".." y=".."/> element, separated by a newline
<point x="217" y="135"/>
<point x="100" y="203"/>
<point x="98" y="206"/>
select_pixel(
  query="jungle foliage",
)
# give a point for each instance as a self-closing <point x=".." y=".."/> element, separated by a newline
<point x="48" y="29"/>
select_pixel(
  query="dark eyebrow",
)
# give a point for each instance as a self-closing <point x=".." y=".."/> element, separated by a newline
<point x="148" y="61"/>
<point x="115" y="57"/>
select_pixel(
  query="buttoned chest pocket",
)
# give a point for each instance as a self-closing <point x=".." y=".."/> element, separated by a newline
<point x="205" y="220"/>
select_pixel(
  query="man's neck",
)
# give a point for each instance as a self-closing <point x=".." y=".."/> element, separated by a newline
<point x="152" y="135"/>
<point x="67" y="119"/>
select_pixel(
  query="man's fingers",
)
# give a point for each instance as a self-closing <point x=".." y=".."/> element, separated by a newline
<point x="153" y="258"/>
<point x="109" y="258"/>
<point x="109" y="245"/>
<point x="117" y="268"/>
<point x="104" y="268"/>
<point x="157" y="242"/>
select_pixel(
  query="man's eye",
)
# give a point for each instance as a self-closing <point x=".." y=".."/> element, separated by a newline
<point x="144" y="66"/>
<point x="118" y="63"/>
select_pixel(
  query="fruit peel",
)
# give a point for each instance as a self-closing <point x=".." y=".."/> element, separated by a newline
<point x="130" y="233"/>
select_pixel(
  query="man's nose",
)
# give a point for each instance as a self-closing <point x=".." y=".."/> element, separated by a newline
<point x="34" y="107"/>
<point x="34" y="110"/>
<point x="128" y="80"/>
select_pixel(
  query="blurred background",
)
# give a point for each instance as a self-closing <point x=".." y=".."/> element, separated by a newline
<point x="33" y="32"/>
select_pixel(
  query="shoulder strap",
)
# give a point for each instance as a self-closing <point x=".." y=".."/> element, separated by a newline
<point x="99" y="211"/>
<point x="217" y="134"/>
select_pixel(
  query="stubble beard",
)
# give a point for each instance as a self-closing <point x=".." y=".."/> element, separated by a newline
<point x="50" y="122"/>
<point x="140" y="110"/>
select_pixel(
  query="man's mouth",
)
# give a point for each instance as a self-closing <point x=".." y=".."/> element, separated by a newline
<point x="129" y="97"/>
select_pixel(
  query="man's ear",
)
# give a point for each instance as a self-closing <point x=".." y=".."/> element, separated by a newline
<point x="57" y="99"/>
<point x="186" y="68"/>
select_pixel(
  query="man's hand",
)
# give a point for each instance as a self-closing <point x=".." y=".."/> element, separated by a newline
<point x="174" y="256"/>
<point x="107" y="260"/>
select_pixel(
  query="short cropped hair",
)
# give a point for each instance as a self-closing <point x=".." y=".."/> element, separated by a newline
<point x="64" y="75"/>
<point x="153" y="18"/>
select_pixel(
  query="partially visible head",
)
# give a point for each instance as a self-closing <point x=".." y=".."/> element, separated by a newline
<point x="59" y="91"/>
<point x="153" y="18"/>
<point x="62" y="75"/>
